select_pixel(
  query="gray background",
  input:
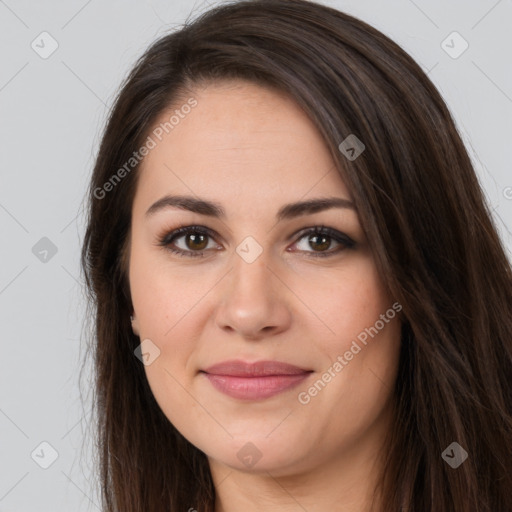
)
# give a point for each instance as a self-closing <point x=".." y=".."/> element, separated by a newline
<point x="52" y="111"/>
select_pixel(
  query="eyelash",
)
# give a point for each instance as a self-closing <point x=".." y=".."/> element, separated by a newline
<point x="341" y="238"/>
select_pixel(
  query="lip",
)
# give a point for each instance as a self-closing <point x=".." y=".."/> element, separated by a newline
<point x="254" y="381"/>
<point x="238" y="368"/>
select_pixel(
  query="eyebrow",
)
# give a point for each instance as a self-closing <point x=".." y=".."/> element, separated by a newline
<point x="213" y="209"/>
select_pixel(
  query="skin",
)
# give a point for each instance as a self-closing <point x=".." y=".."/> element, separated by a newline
<point x="252" y="150"/>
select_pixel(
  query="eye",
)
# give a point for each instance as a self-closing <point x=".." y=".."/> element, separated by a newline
<point x="195" y="240"/>
<point x="320" y="238"/>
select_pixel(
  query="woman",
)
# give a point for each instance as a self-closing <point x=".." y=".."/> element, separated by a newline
<point x="301" y="301"/>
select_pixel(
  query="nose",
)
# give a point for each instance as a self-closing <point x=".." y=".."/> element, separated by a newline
<point x="254" y="301"/>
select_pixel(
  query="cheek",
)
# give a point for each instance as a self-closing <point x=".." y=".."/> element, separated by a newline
<point x="167" y="302"/>
<point x="346" y="300"/>
<point x="170" y="386"/>
<point x="162" y="294"/>
<point x="359" y="335"/>
<point x="361" y="350"/>
<point x="164" y="303"/>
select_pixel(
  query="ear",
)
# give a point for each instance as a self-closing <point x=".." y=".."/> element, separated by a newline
<point x="135" y="324"/>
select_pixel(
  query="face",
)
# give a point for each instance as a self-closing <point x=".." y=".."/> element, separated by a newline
<point x="251" y="279"/>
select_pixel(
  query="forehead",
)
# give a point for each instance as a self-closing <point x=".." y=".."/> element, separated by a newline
<point x="240" y="140"/>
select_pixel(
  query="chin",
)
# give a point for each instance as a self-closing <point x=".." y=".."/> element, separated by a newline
<point x="256" y="454"/>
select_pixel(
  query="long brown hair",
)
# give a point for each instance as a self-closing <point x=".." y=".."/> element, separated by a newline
<point x="422" y="209"/>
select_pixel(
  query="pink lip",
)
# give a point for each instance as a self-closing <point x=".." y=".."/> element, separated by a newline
<point x="253" y="381"/>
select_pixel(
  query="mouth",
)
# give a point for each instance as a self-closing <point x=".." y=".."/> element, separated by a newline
<point x="254" y="381"/>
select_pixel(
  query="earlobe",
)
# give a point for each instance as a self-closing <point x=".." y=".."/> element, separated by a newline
<point x="135" y="324"/>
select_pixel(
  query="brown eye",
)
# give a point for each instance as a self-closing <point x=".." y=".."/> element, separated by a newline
<point x="322" y="242"/>
<point x="196" y="241"/>
<point x="193" y="239"/>
<point x="320" y="239"/>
